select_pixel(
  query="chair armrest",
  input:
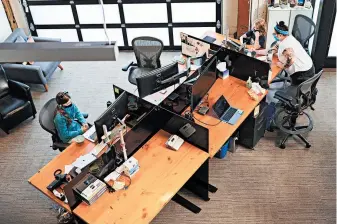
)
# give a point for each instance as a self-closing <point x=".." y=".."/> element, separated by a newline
<point x="283" y="96"/>
<point x="282" y="79"/>
<point x="60" y="145"/>
<point x="25" y="73"/>
<point x="125" y="68"/>
<point x="21" y="90"/>
<point x="18" y="88"/>
<point x="46" y="39"/>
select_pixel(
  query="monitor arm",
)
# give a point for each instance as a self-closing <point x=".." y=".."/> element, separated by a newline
<point x="173" y="78"/>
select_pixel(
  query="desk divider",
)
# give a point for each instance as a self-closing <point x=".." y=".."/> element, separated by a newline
<point x="242" y="65"/>
<point x="161" y="118"/>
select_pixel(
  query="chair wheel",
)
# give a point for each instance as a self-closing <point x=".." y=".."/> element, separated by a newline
<point x="282" y="146"/>
<point x="307" y="146"/>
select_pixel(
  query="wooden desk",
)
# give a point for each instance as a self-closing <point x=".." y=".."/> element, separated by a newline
<point x="46" y="174"/>
<point x="162" y="173"/>
<point x="235" y="92"/>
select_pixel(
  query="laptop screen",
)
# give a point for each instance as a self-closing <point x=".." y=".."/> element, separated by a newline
<point x="220" y="106"/>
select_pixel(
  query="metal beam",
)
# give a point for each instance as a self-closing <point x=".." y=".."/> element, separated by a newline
<point x="58" y="51"/>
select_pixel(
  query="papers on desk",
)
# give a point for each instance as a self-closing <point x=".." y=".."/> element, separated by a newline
<point x="84" y="160"/>
<point x="98" y="148"/>
<point x="68" y="168"/>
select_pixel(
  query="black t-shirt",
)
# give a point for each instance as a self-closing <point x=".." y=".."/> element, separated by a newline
<point x="251" y="38"/>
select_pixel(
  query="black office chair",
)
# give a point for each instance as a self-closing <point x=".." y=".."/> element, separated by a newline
<point x="147" y="51"/>
<point x="293" y="101"/>
<point x="16" y="103"/>
<point x="304" y="28"/>
<point x="46" y="120"/>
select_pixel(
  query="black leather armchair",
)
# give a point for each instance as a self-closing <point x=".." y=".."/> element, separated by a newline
<point x="16" y="103"/>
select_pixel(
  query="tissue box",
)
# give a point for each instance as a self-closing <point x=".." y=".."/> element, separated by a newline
<point x="224" y="75"/>
<point x="131" y="166"/>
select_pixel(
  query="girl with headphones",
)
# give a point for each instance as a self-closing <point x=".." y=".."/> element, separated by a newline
<point x="68" y="119"/>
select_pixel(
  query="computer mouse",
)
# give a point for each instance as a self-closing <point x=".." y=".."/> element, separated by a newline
<point x="240" y="111"/>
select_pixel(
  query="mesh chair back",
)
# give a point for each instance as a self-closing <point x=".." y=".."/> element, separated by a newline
<point x="306" y="88"/>
<point x="304" y="28"/>
<point x="147" y="51"/>
<point x="46" y="117"/>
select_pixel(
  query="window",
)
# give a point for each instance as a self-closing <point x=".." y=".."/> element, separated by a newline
<point x="127" y="19"/>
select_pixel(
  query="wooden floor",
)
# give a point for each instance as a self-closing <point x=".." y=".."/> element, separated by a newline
<point x="268" y="185"/>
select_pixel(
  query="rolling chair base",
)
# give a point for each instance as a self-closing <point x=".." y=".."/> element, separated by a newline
<point x="285" y="139"/>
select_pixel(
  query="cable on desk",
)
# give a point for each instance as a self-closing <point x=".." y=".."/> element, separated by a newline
<point x="126" y="187"/>
<point x="206" y="123"/>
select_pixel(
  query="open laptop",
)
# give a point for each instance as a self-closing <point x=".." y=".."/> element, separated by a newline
<point x="225" y="112"/>
<point x="91" y="134"/>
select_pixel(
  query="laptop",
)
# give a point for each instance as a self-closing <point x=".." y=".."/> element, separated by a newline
<point x="225" y="112"/>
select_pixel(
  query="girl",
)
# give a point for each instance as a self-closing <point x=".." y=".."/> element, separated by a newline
<point x="257" y="36"/>
<point x="69" y="121"/>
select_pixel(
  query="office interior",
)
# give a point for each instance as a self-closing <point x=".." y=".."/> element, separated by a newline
<point x="215" y="176"/>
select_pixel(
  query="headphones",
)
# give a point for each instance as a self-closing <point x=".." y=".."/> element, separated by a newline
<point x="61" y="97"/>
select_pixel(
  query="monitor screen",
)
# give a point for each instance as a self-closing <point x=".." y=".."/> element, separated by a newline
<point x="151" y="82"/>
<point x="193" y="47"/>
<point x="118" y="109"/>
<point x="242" y="66"/>
<point x="204" y="83"/>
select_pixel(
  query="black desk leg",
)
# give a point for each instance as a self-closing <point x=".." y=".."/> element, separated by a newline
<point x="201" y="177"/>
<point x="199" y="184"/>
<point x="208" y="186"/>
<point x="186" y="203"/>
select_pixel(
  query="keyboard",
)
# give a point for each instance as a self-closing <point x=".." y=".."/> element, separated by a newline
<point x="229" y="114"/>
<point x="234" y="44"/>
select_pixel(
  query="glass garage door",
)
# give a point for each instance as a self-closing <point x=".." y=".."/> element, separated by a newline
<point x="126" y="19"/>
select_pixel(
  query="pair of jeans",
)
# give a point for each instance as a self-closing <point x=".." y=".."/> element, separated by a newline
<point x="271" y="110"/>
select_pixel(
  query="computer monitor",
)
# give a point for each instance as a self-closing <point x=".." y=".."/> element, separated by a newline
<point x="159" y="79"/>
<point x="118" y="109"/>
<point x="192" y="46"/>
<point x="242" y="66"/>
<point x="205" y="81"/>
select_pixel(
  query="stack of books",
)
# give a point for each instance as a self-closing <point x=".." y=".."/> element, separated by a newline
<point x="89" y="189"/>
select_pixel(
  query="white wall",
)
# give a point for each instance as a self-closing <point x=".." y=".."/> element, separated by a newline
<point x="5" y="28"/>
<point x="230" y="15"/>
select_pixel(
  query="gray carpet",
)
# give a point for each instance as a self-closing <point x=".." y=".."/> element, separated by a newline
<point x="268" y="185"/>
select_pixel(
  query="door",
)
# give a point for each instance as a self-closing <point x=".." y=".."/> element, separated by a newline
<point x="243" y="17"/>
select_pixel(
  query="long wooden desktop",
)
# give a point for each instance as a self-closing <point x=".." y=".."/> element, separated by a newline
<point x="236" y="93"/>
<point x="162" y="171"/>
